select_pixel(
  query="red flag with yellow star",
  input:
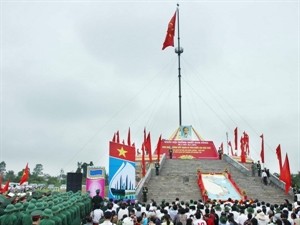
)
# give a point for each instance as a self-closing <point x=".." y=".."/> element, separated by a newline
<point x="121" y="171"/>
<point x="121" y="151"/>
<point x="169" y="40"/>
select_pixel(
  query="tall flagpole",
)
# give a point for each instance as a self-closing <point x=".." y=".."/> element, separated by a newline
<point x="178" y="51"/>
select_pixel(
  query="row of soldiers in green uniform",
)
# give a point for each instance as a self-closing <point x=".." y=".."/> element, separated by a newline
<point x="58" y="209"/>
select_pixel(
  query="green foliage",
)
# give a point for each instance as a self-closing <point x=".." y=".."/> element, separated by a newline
<point x="10" y="175"/>
<point x="296" y="180"/>
<point x="38" y="170"/>
<point x="2" y="167"/>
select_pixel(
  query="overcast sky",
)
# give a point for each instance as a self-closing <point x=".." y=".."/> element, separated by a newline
<point x="75" y="72"/>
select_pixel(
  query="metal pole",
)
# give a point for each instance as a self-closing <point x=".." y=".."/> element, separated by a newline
<point x="178" y="51"/>
<point x="227" y="143"/>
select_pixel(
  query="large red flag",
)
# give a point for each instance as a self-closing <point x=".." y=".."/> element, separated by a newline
<point x="169" y="40"/>
<point x="25" y="175"/>
<point x="158" y="148"/>
<point x="148" y="147"/>
<point x="143" y="161"/>
<point x="128" y="138"/>
<point x="145" y="140"/>
<point x="235" y="138"/>
<point x="262" y="151"/>
<point x="278" y="153"/>
<point x="286" y="174"/>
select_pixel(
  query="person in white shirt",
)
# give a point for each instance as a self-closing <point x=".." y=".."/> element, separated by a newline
<point x="107" y="216"/>
<point x="262" y="219"/>
<point x="97" y="214"/>
<point x="264" y="177"/>
<point x="242" y="217"/>
<point x="122" y="211"/>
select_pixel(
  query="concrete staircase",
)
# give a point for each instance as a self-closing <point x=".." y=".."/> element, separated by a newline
<point x="178" y="178"/>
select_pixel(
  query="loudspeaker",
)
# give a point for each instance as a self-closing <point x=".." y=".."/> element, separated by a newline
<point x="74" y="181"/>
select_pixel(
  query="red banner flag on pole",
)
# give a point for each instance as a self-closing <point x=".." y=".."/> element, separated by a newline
<point x="143" y="161"/>
<point x="278" y="153"/>
<point x="262" y="151"/>
<point x="145" y="140"/>
<point x="169" y="40"/>
<point x="5" y="188"/>
<point x="286" y="174"/>
<point x="236" y="138"/>
<point x="25" y="175"/>
<point x="148" y="147"/>
<point x="128" y="138"/>
<point x="158" y="148"/>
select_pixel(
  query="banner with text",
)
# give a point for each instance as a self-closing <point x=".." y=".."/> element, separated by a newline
<point x="190" y="149"/>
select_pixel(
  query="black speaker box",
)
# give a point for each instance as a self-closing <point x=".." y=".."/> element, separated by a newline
<point x="74" y="181"/>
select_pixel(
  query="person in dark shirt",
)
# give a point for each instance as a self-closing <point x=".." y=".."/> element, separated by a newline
<point x="97" y="200"/>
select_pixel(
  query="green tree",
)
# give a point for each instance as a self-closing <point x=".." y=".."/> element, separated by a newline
<point x="38" y="170"/>
<point x="2" y="168"/>
<point x="10" y="175"/>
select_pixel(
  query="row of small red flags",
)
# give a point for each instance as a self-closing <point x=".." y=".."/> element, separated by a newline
<point x="285" y="173"/>
<point x="146" y="146"/>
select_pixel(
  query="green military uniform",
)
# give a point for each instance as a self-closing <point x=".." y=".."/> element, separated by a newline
<point x="47" y="215"/>
<point x="27" y="219"/>
<point x="19" y="214"/>
<point x="62" y="215"/>
<point x="9" y="218"/>
<point x="56" y="218"/>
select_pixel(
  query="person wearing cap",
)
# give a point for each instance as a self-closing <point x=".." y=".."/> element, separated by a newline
<point x="62" y="215"/>
<point x="23" y="218"/>
<point x="27" y="218"/>
<point x="18" y="213"/>
<point x="56" y="218"/>
<point x="9" y="218"/>
<point x="262" y="219"/>
<point x="47" y="217"/>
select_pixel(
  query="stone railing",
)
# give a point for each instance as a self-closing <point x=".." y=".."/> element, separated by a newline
<point x="275" y="180"/>
<point x="237" y="165"/>
<point x="144" y="181"/>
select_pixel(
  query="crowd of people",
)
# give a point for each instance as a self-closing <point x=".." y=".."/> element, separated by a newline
<point x="80" y="209"/>
<point x="196" y="213"/>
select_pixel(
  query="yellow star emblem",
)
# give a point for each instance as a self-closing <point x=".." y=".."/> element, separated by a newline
<point x="122" y="152"/>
